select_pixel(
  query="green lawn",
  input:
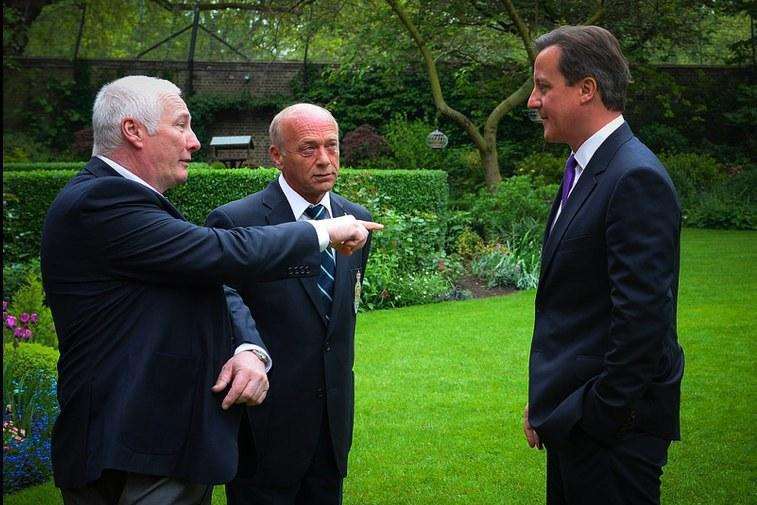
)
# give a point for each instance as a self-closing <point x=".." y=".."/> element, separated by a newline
<point x="441" y="389"/>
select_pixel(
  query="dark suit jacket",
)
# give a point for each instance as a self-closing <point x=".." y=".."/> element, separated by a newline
<point x="312" y="359"/>
<point x="136" y="295"/>
<point x="604" y="353"/>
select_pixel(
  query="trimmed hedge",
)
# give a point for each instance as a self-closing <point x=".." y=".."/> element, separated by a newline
<point x="404" y="191"/>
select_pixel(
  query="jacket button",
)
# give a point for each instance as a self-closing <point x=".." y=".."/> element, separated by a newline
<point x="319" y="393"/>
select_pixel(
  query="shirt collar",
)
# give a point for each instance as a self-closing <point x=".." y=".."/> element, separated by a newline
<point x="125" y="172"/>
<point x="589" y="147"/>
<point x="298" y="203"/>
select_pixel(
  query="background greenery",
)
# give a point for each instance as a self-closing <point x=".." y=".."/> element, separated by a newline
<point x="441" y="389"/>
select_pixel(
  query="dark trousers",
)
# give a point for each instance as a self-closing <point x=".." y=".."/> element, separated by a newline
<point x="321" y="484"/>
<point x="124" y="488"/>
<point x="586" y="472"/>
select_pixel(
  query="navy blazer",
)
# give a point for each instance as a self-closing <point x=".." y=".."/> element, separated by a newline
<point x="604" y="354"/>
<point x="312" y="357"/>
<point x="136" y="295"/>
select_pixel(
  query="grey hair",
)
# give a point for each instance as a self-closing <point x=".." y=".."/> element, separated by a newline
<point x="591" y="51"/>
<point x="138" y="97"/>
<point x="274" y="131"/>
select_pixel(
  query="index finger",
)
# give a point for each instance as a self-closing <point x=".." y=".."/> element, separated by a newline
<point x="237" y="386"/>
<point x="370" y="225"/>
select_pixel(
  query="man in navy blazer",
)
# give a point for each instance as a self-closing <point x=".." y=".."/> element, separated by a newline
<point x="605" y="366"/>
<point x="294" y="447"/>
<point x="136" y="292"/>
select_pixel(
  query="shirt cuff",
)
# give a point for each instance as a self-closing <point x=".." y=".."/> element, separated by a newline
<point x="323" y="235"/>
<point x="249" y="347"/>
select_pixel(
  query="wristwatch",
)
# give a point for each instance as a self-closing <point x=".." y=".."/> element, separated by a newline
<point x="261" y="356"/>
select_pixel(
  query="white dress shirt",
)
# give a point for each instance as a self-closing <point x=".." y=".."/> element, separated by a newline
<point x="126" y="173"/>
<point x="585" y="153"/>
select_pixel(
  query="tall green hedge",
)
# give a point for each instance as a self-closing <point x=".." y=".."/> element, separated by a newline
<point x="28" y="195"/>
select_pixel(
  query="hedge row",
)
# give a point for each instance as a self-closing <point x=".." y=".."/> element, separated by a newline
<point x="28" y="195"/>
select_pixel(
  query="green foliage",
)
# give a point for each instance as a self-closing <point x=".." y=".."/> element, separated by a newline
<point x="29" y="166"/>
<point x="402" y="190"/>
<point x="662" y="137"/>
<point x="23" y="147"/>
<point x="29" y="298"/>
<point x="14" y="275"/>
<point x="501" y="268"/>
<point x="692" y="173"/>
<point x="543" y="168"/>
<point x="469" y="244"/>
<point x="516" y="200"/>
<point x="30" y="358"/>
<point x="731" y="204"/>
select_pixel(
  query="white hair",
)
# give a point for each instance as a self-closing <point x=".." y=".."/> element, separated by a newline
<point x="138" y="97"/>
<point x="274" y="131"/>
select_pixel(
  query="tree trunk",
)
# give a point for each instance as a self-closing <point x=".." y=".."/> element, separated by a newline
<point x="490" y="162"/>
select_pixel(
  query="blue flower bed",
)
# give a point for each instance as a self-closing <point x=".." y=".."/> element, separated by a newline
<point x="26" y="451"/>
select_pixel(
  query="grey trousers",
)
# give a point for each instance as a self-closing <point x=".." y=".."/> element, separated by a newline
<point x="123" y="488"/>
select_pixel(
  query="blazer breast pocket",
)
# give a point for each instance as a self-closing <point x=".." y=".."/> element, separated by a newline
<point x="580" y="243"/>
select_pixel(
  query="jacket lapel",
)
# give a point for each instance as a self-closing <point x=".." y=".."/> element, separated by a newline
<point x="580" y="194"/>
<point x="280" y="212"/>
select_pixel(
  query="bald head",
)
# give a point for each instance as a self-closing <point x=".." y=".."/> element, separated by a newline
<point x="298" y="112"/>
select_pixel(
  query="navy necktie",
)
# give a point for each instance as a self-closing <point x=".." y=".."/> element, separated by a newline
<point x="328" y="261"/>
<point x="570" y="176"/>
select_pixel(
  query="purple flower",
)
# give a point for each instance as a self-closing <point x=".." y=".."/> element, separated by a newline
<point x="34" y="318"/>
<point x="24" y="318"/>
<point x="10" y="321"/>
<point x="18" y="332"/>
<point x="5" y="306"/>
<point x="27" y="334"/>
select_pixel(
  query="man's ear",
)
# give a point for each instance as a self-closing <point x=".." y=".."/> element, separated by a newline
<point x="132" y="132"/>
<point x="589" y="89"/>
<point x="276" y="156"/>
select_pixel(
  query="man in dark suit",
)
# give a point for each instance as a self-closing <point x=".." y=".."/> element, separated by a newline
<point x="605" y="366"/>
<point x="136" y="292"/>
<point x="294" y="448"/>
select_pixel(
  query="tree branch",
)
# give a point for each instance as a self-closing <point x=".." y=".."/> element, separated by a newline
<point x="522" y="29"/>
<point x="505" y="106"/>
<point x="433" y="77"/>
<point x="209" y="6"/>
<point x="598" y="14"/>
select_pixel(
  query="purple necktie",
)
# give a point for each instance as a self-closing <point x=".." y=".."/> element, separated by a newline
<point x="570" y="175"/>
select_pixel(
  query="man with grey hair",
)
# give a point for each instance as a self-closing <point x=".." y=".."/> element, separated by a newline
<point x="149" y="368"/>
<point x="294" y="448"/>
<point x="605" y="367"/>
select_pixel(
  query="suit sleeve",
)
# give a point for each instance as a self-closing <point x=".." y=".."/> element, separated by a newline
<point x="244" y="328"/>
<point x="141" y="240"/>
<point x="642" y="237"/>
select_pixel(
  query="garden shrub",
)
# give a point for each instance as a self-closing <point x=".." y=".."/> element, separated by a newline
<point x="30" y="409"/>
<point x="469" y="244"/>
<point x="731" y="204"/>
<point x="515" y="200"/>
<point x="663" y="138"/>
<point x="361" y="146"/>
<point x="543" y="168"/>
<point x="692" y="173"/>
<point x="14" y="275"/>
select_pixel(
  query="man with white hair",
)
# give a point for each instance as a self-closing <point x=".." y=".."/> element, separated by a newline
<point x="294" y="448"/>
<point x="149" y="366"/>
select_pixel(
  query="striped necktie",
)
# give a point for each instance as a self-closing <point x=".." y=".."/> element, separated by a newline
<point x="328" y="261"/>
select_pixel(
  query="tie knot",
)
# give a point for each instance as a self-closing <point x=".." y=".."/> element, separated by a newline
<point x="317" y="212"/>
<point x="570" y="164"/>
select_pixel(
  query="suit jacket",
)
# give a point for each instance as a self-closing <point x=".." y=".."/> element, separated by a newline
<point x="143" y="326"/>
<point x="604" y="354"/>
<point x="312" y="358"/>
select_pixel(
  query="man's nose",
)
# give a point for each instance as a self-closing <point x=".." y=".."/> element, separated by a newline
<point x="193" y="143"/>
<point x="533" y="101"/>
<point x="322" y="156"/>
